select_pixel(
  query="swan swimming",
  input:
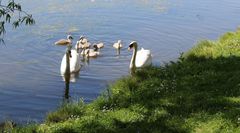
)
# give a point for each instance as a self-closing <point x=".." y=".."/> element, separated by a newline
<point x="71" y="60"/>
<point x="118" y="44"/>
<point x="74" y="62"/>
<point x="100" y="45"/>
<point x="91" y="52"/>
<point x="140" y="58"/>
<point x="65" y="42"/>
<point x="82" y="43"/>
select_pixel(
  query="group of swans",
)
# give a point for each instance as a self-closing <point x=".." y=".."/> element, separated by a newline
<point x="84" y="45"/>
<point x="71" y="60"/>
<point x="140" y="58"/>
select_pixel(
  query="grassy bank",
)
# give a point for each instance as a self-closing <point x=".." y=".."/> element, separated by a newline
<point x="198" y="93"/>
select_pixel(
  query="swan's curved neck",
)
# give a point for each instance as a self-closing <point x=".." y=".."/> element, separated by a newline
<point x="133" y="60"/>
<point x="77" y="46"/>
<point x="70" y="41"/>
<point x="67" y="72"/>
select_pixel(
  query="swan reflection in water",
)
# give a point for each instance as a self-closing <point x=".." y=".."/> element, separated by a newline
<point x="67" y="79"/>
<point x="73" y="77"/>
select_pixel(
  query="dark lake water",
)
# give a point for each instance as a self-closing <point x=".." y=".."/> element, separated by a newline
<point x="30" y="81"/>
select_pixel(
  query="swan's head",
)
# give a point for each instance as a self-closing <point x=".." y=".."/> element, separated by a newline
<point x="95" y="47"/>
<point x="81" y="38"/>
<point x="70" y="37"/>
<point x="132" y="44"/>
<point x="119" y="41"/>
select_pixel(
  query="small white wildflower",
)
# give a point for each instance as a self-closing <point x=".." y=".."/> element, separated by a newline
<point x="238" y="120"/>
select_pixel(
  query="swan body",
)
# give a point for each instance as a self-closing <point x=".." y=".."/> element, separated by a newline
<point x="74" y="62"/>
<point x="100" y="45"/>
<point x="83" y="40"/>
<point x="82" y="44"/>
<point x="85" y="44"/>
<point x="143" y="58"/>
<point x="118" y="45"/>
<point x="92" y="53"/>
<point x="65" y="42"/>
<point x="140" y="58"/>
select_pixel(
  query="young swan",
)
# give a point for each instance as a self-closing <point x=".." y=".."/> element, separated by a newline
<point x="100" y="45"/>
<point x="65" y="42"/>
<point x="79" y="45"/>
<point x="92" y="52"/>
<point x="82" y="44"/>
<point x="118" y="46"/>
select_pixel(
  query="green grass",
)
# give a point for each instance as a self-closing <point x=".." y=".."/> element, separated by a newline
<point x="198" y="93"/>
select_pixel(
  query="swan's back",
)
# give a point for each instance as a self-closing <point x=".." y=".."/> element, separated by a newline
<point x="78" y="45"/>
<point x="63" y="42"/>
<point x="117" y="45"/>
<point x="91" y="53"/>
<point x="74" y="63"/>
<point x="100" y="45"/>
<point x="143" y="58"/>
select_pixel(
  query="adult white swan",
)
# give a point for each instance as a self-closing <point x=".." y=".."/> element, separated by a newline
<point x="71" y="61"/>
<point x="140" y="58"/>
